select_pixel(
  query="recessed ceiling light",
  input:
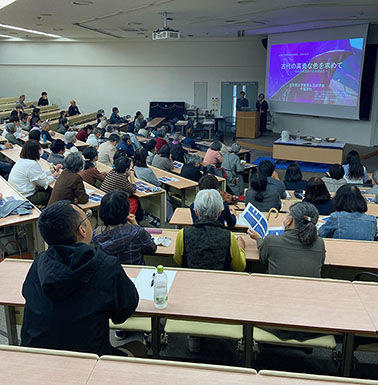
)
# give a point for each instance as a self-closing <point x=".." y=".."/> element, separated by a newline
<point x="4" y="3"/>
<point x="29" y="30"/>
<point x="82" y="2"/>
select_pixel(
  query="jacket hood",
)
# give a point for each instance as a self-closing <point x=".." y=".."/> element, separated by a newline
<point x="64" y="269"/>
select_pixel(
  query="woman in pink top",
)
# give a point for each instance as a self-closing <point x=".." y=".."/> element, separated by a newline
<point x="213" y="155"/>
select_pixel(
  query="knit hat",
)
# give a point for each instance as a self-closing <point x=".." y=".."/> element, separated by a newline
<point x="70" y="135"/>
<point x="235" y="148"/>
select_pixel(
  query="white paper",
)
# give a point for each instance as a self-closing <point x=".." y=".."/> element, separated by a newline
<point x="144" y="279"/>
<point x="288" y="195"/>
<point x="89" y="191"/>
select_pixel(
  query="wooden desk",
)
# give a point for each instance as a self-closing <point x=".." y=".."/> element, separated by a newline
<point x="242" y="153"/>
<point x="155" y="122"/>
<point x="78" y="144"/>
<point x="122" y="371"/>
<point x="272" y="301"/>
<point x="367" y="293"/>
<point x="152" y="202"/>
<point x="22" y="367"/>
<point x="185" y="187"/>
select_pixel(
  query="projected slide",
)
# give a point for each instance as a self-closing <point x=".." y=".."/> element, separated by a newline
<point x="321" y="72"/>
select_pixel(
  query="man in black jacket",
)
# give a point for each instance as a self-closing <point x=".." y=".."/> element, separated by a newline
<point x="71" y="289"/>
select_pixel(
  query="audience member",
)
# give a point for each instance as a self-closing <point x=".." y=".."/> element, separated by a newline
<point x="142" y="171"/>
<point x="21" y="100"/>
<point x="258" y="194"/>
<point x="133" y="138"/>
<point x="90" y="174"/>
<point x="189" y="141"/>
<point x="27" y="176"/>
<point x="72" y="290"/>
<point x="62" y="115"/>
<point x="210" y="182"/>
<point x="191" y="170"/>
<point x="374" y="189"/>
<point x="73" y="109"/>
<point x="151" y="148"/>
<point x="69" y="185"/>
<point x="177" y="151"/>
<point x="25" y="121"/>
<point x="138" y="121"/>
<point x="318" y="195"/>
<point x="94" y="137"/>
<point x="46" y="133"/>
<point x="213" y="156"/>
<point x="5" y="167"/>
<point x="10" y="131"/>
<point x="163" y="159"/>
<point x="267" y="168"/>
<point x="63" y="126"/>
<point x="219" y="137"/>
<point x="57" y="148"/>
<point x="18" y="111"/>
<point x="144" y="130"/>
<point x="126" y="145"/>
<point x="84" y="133"/>
<point x="335" y="178"/>
<point x="294" y="178"/>
<point x="107" y="150"/>
<point x="160" y="140"/>
<point x="234" y="170"/>
<point x="121" y="235"/>
<point x="355" y="172"/>
<point x="70" y="137"/>
<point x="115" y="118"/>
<point x="43" y="101"/>
<point x="349" y="221"/>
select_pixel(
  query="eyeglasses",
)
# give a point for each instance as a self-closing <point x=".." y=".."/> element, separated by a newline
<point x="88" y="215"/>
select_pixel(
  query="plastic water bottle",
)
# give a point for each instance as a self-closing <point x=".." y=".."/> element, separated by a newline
<point x="298" y="137"/>
<point x="44" y="137"/>
<point x="160" y="288"/>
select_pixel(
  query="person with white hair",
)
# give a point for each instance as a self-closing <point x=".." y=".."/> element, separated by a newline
<point x="70" y="137"/>
<point x="234" y="170"/>
<point x="207" y="245"/>
<point x="73" y="109"/>
<point x="191" y="170"/>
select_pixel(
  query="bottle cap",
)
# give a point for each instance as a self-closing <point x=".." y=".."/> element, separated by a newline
<point x="160" y="268"/>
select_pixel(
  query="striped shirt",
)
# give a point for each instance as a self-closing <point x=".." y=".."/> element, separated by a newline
<point x="117" y="181"/>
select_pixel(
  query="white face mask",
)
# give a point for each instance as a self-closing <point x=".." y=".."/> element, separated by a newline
<point x="41" y="152"/>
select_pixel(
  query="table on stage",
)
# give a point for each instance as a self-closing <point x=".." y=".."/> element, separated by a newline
<point x="304" y="151"/>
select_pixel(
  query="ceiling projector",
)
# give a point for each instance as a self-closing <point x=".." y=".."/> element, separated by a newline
<point x="165" y="33"/>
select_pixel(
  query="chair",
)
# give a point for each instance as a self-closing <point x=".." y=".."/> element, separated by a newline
<point x="368" y="273"/>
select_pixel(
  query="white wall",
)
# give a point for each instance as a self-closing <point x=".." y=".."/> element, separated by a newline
<point x="129" y="75"/>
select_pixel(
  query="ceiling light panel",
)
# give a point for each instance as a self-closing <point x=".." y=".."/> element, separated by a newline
<point x="5" y="3"/>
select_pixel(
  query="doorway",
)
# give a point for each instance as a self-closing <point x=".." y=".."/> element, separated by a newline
<point x="230" y="92"/>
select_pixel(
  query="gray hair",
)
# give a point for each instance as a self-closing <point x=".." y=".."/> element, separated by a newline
<point x="161" y="133"/>
<point x="45" y="124"/>
<point x="208" y="204"/>
<point x="306" y="217"/>
<point x="195" y="159"/>
<point x="96" y="131"/>
<point x="375" y="176"/>
<point x="10" y="127"/>
<point x="69" y="136"/>
<point x="235" y="148"/>
<point x="176" y="136"/>
<point x="74" y="162"/>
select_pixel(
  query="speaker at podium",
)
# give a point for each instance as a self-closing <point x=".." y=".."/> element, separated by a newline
<point x="248" y="124"/>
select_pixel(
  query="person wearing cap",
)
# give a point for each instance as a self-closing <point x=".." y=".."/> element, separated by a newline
<point x="70" y="137"/>
<point x="242" y="102"/>
<point x="43" y="101"/>
<point x="234" y="170"/>
<point x="191" y="170"/>
<point x="73" y="109"/>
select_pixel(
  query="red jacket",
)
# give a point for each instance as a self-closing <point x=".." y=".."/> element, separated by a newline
<point x="160" y="142"/>
<point x="82" y="135"/>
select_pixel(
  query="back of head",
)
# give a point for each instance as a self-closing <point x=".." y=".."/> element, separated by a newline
<point x="58" y="224"/>
<point x="35" y="135"/>
<point x="293" y="173"/>
<point x="336" y="171"/>
<point x="119" y="154"/>
<point x="161" y="133"/>
<point x="195" y="159"/>
<point x="164" y="151"/>
<point x="74" y="162"/>
<point x="356" y="169"/>
<point x="35" y="121"/>
<point x="24" y="115"/>
<point x="235" y="148"/>
<point x="57" y="146"/>
<point x="266" y="167"/>
<point x="349" y="198"/>
<point x="121" y="164"/>
<point x="125" y="138"/>
<point x="176" y="136"/>
<point x="44" y="93"/>
<point x="208" y="182"/>
<point x="70" y="136"/>
<point x="317" y="191"/>
<point x="45" y="125"/>
<point x="208" y="204"/>
<point x="87" y="128"/>
<point x="140" y="157"/>
<point x="259" y="183"/>
<point x="114" y="208"/>
<point x="115" y="110"/>
<point x="30" y="150"/>
<point x="10" y="128"/>
<point x="306" y="217"/>
<point x="216" y="145"/>
<point x="114" y="138"/>
<point x="64" y="121"/>
<point x="14" y="119"/>
<point x="151" y="144"/>
<point x="89" y="154"/>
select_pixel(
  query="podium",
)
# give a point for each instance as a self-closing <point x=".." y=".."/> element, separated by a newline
<point x="247" y="124"/>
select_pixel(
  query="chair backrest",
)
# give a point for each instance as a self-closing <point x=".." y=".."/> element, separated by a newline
<point x="216" y="171"/>
<point x="372" y="277"/>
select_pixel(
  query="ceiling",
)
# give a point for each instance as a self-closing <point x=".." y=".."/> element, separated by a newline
<point x="136" y="19"/>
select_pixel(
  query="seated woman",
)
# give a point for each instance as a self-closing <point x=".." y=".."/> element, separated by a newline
<point x="70" y="186"/>
<point x="335" y="178"/>
<point x="299" y="251"/>
<point x="206" y="244"/>
<point x="151" y="148"/>
<point x="70" y="137"/>
<point x="189" y="141"/>
<point x="10" y="131"/>
<point x="210" y="182"/>
<point x="350" y="221"/>
<point x="121" y="235"/>
<point x="163" y="159"/>
<point x="213" y="156"/>
<point x="63" y="126"/>
<point x="27" y="176"/>
<point x="142" y="171"/>
<point x="191" y="170"/>
<point x="90" y="174"/>
<point x="126" y="145"/>
<point x="355" y="172"/>
<point x="259" y="196"/>
<point x="234" y="170"/>
<point x="294" y="178"/>
<point x="139" y="121"/>
<point x="84" y="133"/>
<point x="57" y="148"/>
<point x="120" y="177"/>
<point x="318" y="195"/>
<point x="219" y="136"/>
<point x="94" y="137"/>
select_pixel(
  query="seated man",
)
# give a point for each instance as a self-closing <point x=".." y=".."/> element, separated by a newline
<point x="115" y="118"/>
<point x="71" y="289"/>
<point x="266" y="167"/>
<point x="207" y="245"/>
<point x="43" y="101"/>
<point x="73" y="109"/>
